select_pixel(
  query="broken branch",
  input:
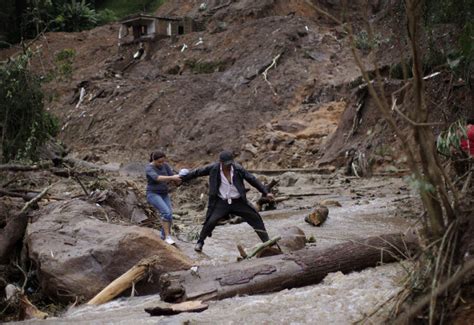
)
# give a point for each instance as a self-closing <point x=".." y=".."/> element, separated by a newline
<point x="35" y="199"/>
<point x="264" y="73"/>
<point x="261" y="246"/>
<point x="125" y="281"/>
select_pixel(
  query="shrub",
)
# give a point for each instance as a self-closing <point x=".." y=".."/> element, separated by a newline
<point x="75" y="16"/>
<point x="24" y="125"/>
<point x="64" y="60"/>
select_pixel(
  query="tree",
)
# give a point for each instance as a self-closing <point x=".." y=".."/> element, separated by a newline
<point x="445" y="219"/>
<point x="24" y="125"/>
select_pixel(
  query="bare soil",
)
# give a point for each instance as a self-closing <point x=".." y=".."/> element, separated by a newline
<point x="201" y="92"/>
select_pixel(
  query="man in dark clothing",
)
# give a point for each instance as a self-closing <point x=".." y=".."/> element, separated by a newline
<point x="227" y="195"/>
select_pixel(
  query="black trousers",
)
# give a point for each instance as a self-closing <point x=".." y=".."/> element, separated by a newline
<point x="239" y="208"/>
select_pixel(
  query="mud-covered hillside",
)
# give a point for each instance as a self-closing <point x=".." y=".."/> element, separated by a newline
<point x="269" y="79"/>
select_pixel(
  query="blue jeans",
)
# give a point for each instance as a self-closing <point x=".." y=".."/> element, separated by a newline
<point x="162" y="203"/>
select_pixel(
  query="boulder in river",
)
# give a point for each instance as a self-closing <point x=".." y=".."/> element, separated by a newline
<point x="77" y="255"/>
<point x="317" y="216"/>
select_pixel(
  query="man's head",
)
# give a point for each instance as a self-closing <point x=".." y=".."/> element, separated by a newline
<point x="226" y="158"/>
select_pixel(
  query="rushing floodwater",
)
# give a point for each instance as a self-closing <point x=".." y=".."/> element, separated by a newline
<point x="339" y="299"/>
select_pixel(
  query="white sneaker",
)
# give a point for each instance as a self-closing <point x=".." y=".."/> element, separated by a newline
<point x="169" y="240"/>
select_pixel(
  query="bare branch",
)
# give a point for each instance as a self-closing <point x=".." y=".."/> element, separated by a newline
<point x="458" y="277"/>
<point x="264" y="73"/>
<point x="36" y="199"/>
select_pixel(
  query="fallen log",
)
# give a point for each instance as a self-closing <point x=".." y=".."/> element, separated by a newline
<point x="300" y="268"/>
<point x="125" y="281"/>
<point x="4" y="192"/>
<point x="25" y="168"/>
<point x="320" y="170"/>
<point x="308" y="194"/>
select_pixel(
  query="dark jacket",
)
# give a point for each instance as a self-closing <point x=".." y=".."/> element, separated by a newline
<point x="214" y="173"/>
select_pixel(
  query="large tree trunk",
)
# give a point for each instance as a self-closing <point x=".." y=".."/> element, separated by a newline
<point x="296" y="269"/>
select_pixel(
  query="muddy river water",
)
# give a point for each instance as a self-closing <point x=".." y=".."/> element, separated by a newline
<point x="368" y="207"/>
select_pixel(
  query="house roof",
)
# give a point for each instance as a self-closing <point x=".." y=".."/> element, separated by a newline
<point x="145" y="17"/>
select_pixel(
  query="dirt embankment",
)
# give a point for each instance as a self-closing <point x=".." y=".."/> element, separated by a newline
<point x="271" y="80"/>
<point x="205" y="90"/>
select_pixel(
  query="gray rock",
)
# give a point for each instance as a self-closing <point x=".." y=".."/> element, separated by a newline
<point x="292" y="239"/>
<point x="77" y="255"/>
<point x="288" y="179"/>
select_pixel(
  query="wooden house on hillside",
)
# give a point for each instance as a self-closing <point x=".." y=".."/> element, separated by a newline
<point x="142" y="27"/>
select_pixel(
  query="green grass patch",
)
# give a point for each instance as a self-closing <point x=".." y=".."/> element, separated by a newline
<point x="123" y="8"/>
<point x="203" y="67"/>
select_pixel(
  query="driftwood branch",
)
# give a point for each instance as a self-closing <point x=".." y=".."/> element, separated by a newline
<point x="125" y="281"/>
<point x="35" y="200"/>
<point x="262" y="246"/>
<point x="165" y="309"/>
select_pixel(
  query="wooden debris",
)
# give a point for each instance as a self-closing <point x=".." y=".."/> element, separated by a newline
<point x="30" y="311"/>
<point x="303" y="267"/>
<point x="15" y="296"/>
<point x="263" y="200"/>
<point x="25" y="168"/>
<point x="264" y="73"/>
<point x="242" y="252"/>
<point x="317" y="216"/>
<point x="125" y="281"/>
<point x="165" y="309"/>
<point x="320" y="170"/>
<point x="35" y="200"/>
<point x="258" y="248"/>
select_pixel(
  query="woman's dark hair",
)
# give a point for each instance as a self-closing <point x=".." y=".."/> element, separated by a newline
<point x="470" y="120"/>
<point x="157" y="155"/>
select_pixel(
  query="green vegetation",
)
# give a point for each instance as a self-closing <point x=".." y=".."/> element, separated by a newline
<point x="449" y="141"/>
<point x="122" y="8"/>
<point x="75" y="16"/>
<point x="64" y="60"/>
<point x="26" y="19"/>
<point x="24" y="125"/>
<point x="459" y="13"/>
<point x="199" y="67"/>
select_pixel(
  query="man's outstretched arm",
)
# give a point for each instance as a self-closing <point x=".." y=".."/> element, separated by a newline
<point x="198" y="172"/>
<point x="252" y="180"/>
